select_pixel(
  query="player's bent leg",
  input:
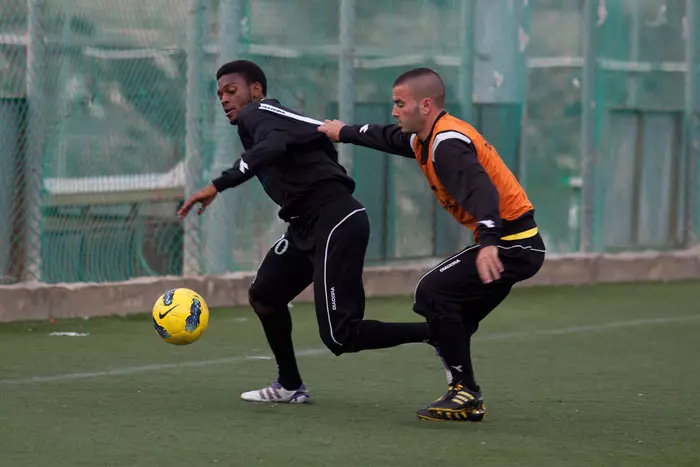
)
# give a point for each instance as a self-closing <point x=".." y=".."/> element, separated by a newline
<point x="339" y="290"/>
<point x="456" y="281"/>
<point x="463" y="400"/>
<point x="442" y="308"/>
<point x="440" y="296"/>
<point x="355" y="335"/>
<point x="342" y="329"/>
<point x="283" y="274"/>
<point x="438" y="284"/>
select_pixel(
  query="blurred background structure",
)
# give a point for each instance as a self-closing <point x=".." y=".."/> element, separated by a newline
<point x="109" y="118"/>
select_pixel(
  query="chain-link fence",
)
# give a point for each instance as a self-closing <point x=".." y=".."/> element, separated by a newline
<point x="109" y="118"/>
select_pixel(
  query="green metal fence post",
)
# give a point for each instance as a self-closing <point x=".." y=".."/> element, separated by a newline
<point x="588" y="130"/>
<point x="691" y="143"/>
<point x="194" y="121"/>
<point x="220" y="221"/>
<point x="36" y="66"/>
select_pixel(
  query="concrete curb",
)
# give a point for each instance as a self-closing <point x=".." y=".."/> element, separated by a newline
<point x="38" y="301"/>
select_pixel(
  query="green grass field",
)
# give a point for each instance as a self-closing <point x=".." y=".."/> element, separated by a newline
<point x="587" y="376"/>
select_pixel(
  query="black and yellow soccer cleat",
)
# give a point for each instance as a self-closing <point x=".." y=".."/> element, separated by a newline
<point x="424" y="414"/>
<point x="459" y="404"/>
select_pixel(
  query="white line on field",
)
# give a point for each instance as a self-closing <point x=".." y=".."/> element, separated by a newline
<point x="589" y="328"/>
<point x="311" y="352"/>
<point x="146" y="368"/>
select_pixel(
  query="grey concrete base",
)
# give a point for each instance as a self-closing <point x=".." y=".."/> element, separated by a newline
<point x="36" y="301"/>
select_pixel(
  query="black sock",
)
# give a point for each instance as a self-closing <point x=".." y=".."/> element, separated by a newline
<point x="470" y="327"/>
<point x="379" y="335"/>
<point x="277" y="325"/>
<point x="468" y="379"/>
<point x="454" y="349"/>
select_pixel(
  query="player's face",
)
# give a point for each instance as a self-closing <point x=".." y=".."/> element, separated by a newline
<point x="406" y="111"/>
<point x="234" y="93"/>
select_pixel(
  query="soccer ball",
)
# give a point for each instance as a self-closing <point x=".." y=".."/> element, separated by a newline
<point x="180" y="316"/>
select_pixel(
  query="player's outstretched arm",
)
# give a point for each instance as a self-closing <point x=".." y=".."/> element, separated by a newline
<point x="385" y="138"/>
<point x="271" y="136"/>
<point x="262" y="155"/>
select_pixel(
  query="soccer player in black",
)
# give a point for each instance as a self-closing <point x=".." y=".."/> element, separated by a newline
<point x="325" y="241"/>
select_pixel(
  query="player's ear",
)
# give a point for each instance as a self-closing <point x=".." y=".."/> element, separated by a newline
<point x="257" y="90"/>
<point x="425" y="105"/>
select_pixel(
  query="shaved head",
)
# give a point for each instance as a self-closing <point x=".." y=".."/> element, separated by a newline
<point x="424" y="83"/>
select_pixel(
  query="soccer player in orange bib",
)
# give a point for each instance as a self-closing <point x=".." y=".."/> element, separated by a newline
<point x="474" y="185"/>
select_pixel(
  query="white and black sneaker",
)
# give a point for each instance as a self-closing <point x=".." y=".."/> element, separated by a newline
<point x="277" y="394"/>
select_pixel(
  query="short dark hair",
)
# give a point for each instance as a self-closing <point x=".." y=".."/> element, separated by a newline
<point x="416" y="73"/>
<point x="250" y="71"/>
<point x="434" y="90"/>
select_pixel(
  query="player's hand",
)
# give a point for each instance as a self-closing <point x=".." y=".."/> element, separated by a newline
<point x="204" y="197"/>
<point x="331" y="128"/>
<point x="488" y="265"/>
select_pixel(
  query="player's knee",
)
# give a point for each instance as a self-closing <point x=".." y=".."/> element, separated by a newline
<point x="349" y="343"/>
<point x="422" y="309"/>
<point x="342" y="339"/>
<point x="337" y="348"/>
<point x="259" y="306"/>
<point x="424" y="304"/>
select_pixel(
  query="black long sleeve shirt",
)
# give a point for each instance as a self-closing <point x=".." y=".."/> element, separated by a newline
<point x="297" y="166"/>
